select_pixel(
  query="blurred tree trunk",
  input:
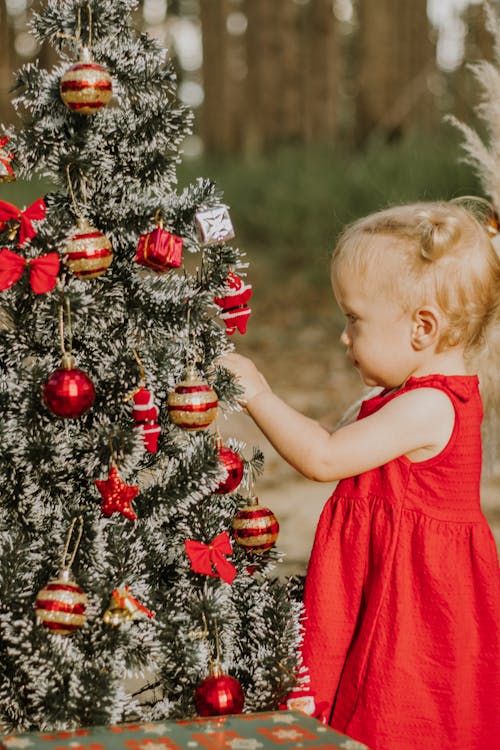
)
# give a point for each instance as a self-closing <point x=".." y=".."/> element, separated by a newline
<point x="395" y="59"/>
<point x="215" y="116"/>
<point x="322" y="73"/>
<point x="7" y="65"/>
<point x="263" y="78"/>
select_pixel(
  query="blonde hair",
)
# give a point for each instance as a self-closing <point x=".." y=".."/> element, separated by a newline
<point x="436" y="253"/>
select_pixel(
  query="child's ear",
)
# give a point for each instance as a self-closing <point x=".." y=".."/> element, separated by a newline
<point x="425" y="327"/>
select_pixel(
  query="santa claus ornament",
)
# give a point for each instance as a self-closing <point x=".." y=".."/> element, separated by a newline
<point x="145" y="415"/>
<point x="60" y="606"/>
<point x="234" y="304"/>
<point x="85" y="87"/>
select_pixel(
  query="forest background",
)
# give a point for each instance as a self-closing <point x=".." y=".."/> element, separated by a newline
<point x="308" y="114"/>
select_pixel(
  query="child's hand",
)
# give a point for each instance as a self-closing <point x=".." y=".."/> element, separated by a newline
<point x="249" y="377"/>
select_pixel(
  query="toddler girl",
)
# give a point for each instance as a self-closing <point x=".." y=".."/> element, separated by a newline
<point x="402" y="592"/>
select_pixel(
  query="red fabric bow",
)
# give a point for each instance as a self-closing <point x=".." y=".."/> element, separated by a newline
<point x="35" y="212"/>
<point x="207" y="557"/>
<point x="43" y="270"/>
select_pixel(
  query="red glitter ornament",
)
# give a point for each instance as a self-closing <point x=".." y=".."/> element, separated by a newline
<point x="85" y="87"/>
<point x="88" y="251"/>
<point x="68" y="392"/>
<point x="60" y="606"/>
<point x="218" y="695"/>
<point x="159" y="249"/>
<point x="255" y="527"/>
<point x="233" y="463"/>
<point x="116" y="495"/>
<point x="235" y="310"/>
<point x="193" y="404"/>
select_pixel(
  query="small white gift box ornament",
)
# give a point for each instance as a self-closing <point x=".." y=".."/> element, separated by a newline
<point x="214" y="225"/>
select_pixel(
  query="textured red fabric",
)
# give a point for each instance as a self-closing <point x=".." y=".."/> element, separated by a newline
<point x="403" y="596"/>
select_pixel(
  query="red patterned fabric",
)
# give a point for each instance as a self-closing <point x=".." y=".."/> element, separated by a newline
<point x="403" y="596"/>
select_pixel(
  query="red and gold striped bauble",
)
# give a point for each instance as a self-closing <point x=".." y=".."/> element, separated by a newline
<point x="85" y="87"/>
<point x="60" y="605"/>
<point x="193" y="403"/>
<point x="88" y="251"/>
<point x="255" y="527"/>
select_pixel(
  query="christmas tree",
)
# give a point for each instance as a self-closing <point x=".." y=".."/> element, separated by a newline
<point x="128" y="541"/>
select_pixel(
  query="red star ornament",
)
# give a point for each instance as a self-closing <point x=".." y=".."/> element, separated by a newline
<point x="116" y="495"/>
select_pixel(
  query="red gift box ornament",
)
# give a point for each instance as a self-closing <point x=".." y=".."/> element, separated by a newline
<point x="6" y="171"/>
<point x="145" y="415"/>
<point x="87" y="253"/>
<point x="159" y="249"/>
<point x="43" y="270"/>
<point x="21" y="221"/>
<point x="85" y="87"/>
<point x="214" y="225"/>
<point x="235" y="310"/>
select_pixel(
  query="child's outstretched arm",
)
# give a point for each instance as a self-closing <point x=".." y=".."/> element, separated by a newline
<point x="418" y="424"/>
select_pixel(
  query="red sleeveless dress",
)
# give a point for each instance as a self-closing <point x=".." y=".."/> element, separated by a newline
<point x="402" y="597"/>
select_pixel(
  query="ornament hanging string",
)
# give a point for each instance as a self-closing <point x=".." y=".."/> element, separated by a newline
<point x="142" y="376"/>
<point x="66" y="564"/>
<point x="76" y="38"/>
<point x="68" y="333"/>
<point x="83" y="187"/>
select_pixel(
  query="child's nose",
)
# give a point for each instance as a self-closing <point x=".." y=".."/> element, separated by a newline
<point x="344" y="338"/>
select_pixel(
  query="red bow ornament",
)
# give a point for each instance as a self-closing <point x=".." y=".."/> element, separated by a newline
<point x="24" y="219"/>
<point x="6" y="171"/>
<point x="209" y="559"/>
<point x="43" y="270"/>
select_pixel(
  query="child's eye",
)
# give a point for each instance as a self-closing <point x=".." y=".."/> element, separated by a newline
<point x="351" y="318"/>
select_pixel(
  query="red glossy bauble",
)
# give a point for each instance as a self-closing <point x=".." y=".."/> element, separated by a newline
<point x="68" y="392"/>
<point x="233" y="464"/>
<point x="255" y="527"/>
<point x="219" y="694"/>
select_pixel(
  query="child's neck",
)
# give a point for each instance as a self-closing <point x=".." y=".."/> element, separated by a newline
<point x="448" y="362"/>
